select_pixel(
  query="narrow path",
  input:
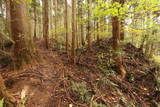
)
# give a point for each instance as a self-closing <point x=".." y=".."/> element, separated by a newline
<point x="41" y="84"/>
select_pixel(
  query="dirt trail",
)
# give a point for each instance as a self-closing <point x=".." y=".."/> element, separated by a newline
<point x="50" y="83"/>
<point x="40" y="84"/>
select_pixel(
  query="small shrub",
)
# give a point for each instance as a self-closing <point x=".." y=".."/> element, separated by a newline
<point x="1" y="102"/>
<point x="81" y="90"/>
<point x="95" y="104"/>
<point x="101" y="58"/>
<point x="127" y="103"/>
<point x="108" y="82"/>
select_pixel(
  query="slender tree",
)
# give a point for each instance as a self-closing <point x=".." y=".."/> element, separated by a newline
<point x="55" y="19"/>
<point x="73" y="32"/>
<point x="89" y="24"/>
<point x="81" y="23"/>
<point x="8" y="18"/>
<point x="45" y="23"/>
<point x="66" y="24"/>
<point x="117" y="46"/>
<point x="35" y="17"/>
<point x="122" y="22"/>
<point x="1" y="8"/>
<point x="98" y="31"/>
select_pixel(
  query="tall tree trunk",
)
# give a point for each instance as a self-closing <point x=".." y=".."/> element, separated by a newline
<point x="73" y="52"/>
<point x="56" y="36"/>
<point x="45" y="23"/>
<point x="122" y="23"/>
<point x="66" y="24"/>
<point x="117" y="46"/>
<point x="1" y="7"/>
<point x="77" y="36"/>
<point x="8" y="18"/>
<point x="81" y="25"/>
<point x="122" y="30"/>
<point x="20" y="33"/>
<point x="35" y="18"/>
<point x="51" y="18"/>
<point x="89" y="24"/>
<point x="98" y="31"/>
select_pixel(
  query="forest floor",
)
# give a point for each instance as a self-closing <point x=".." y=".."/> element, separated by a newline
<point x="92" y="82"/>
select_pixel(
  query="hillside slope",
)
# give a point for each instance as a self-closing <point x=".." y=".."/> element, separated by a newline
<point x="92" y="82"/>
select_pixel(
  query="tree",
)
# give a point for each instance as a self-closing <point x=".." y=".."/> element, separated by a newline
<point x="89" y="23"/>
<point x="66" y="24"/>
<point x="45" y="23"/>
<point x="55" y="19"/>
<point x="122" y="22"/>
<point x="20" y="33"/>
<point x="117" y="46"/>
<point x="35" y="17"/>
<point x="98" y="31"/>
<point x="81" y="22"/>
<point x="73" y="32"/>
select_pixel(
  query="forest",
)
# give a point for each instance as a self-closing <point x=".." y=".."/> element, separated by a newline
<point x="79" y="53"/>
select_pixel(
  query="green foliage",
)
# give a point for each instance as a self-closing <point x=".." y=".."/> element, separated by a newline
<point x="127" y="103"/>
<point x="105" y="80"/>
<point x="81" y="90"/>
<point x="29" y="1"/>
<point x="102" y="68"/>
<point x="1" y="102"/>
<point x="131" y="78"/>
<point x="95" y="104"/>
<point x="23" y="102"/>
<point x="101" y="57"/>
<point x="156" y="59"/>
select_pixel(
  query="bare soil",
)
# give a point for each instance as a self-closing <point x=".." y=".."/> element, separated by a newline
<point x="49" y="83"/>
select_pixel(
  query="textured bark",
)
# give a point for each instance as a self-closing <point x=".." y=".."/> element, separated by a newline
<point x="117" y="46"/>
<point x="51" y="18"/>
<point x="122" y="30"/>
<point x="1" y="8"/>
<point x="8" y="18"/>
<point x="45" y="23"/>
<point x="73" y="31"/>
<point x="20" y="33"/>
<point x="76" y="32"/>
<point x="81" y="25"/>
<point x="122" y="23"/>
<point x="56" y="36"/>
<point x="66" y="23"/>
<point x="89" y="24"/>
<point x="98" y="32"/>
<point x="35" y="18"/>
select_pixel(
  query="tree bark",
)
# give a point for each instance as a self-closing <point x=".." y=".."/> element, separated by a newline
<point x="45" y="23"/>
<point x="8" y="18"/>
<point x="98" y="32"/>
<point x="20" y="33"/>
<point x="35" y="18"/>
<point x="1" y="8"/>
<point x="66" y="24"/>
<point x="122" y="30"/>
<point x="73" y="60"/>
<point x="81" y="25"/>
<point x="89" y="24"/>
<point x="117" y="46"/>
<point x="56" y="36"/>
